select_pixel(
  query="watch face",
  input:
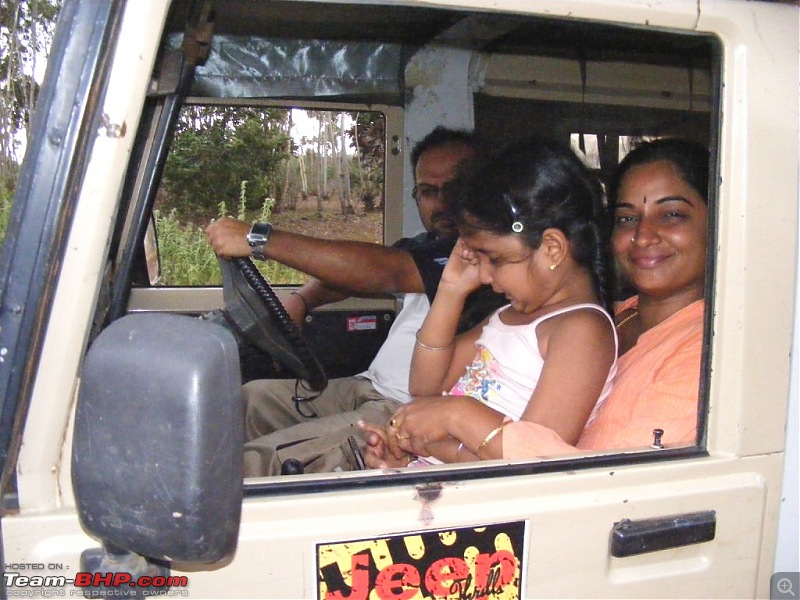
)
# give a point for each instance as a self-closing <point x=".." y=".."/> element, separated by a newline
<point x="259" y="234"/>
<point x="256" y="239"/>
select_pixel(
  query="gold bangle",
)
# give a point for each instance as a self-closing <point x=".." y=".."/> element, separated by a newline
<point x="433" y="348"/>
<point x="490" y="436"/>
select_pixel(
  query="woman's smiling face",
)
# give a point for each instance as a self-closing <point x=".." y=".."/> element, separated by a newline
<point x="661" y="232"/>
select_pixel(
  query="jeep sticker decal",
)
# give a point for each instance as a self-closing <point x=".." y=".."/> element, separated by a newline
<point x="470" y="563"/>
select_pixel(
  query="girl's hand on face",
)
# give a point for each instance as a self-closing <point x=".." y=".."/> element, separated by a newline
<point x="461" y="271"/>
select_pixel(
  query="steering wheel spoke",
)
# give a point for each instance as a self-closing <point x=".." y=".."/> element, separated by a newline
<point x="255" y="310"/>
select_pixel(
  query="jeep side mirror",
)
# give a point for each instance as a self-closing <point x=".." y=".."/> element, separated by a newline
<point x="159" y="432"/>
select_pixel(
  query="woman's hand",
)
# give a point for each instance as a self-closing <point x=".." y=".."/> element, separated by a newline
<point x="421" y="422"/>
<point x="377" y="454"/>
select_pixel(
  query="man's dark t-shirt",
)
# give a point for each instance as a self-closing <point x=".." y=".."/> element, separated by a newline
<point x="430" y="254"/>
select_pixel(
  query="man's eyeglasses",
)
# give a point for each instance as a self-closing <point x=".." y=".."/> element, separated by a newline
<point x="427" y="192"/>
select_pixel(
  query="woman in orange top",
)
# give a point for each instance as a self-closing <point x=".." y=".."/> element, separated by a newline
<point x="659" y="202"/>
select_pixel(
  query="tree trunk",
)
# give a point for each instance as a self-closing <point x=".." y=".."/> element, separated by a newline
<point x="344" y="171"/>
<point x="366" y="196"/>
<point x="337" y="165"/>
<point x="323" y="155"/>
<point x="285" y="201"/>
<point x="303" y="176"/>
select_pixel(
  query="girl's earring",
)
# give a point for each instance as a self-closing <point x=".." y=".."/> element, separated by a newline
<point x="552" y="267"/>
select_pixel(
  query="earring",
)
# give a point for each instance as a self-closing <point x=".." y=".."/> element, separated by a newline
<point x="552" y="267"/>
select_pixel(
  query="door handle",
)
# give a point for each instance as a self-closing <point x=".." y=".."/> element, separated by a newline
<point x="629" y="538"/>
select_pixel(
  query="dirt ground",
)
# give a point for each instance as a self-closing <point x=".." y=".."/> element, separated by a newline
<point x="331" y="224"/>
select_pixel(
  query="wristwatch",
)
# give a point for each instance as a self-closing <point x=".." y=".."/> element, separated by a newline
<point x="258" y="238"/>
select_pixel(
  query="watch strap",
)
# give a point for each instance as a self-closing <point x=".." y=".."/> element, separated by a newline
<point x="257" y="252"/>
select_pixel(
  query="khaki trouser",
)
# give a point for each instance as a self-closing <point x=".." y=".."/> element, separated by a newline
<point x="277" y="431"/>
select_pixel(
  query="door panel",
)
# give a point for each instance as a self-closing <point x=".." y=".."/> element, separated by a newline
<point x="569" y="515"/>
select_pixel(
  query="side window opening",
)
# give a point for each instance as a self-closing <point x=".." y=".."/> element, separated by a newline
<point x="314" y="172"/>
<point x="597" y="109"/>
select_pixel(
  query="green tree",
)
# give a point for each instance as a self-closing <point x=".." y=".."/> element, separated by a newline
<point x="26" y="29"/>
<point x="215" y="149"/>
<point x="367" y="136"/>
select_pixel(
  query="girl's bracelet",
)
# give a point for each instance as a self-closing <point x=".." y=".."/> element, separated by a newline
<point x="459" y="449"/>
<point x="490" y="436"/>
<point x="433" y="348"/>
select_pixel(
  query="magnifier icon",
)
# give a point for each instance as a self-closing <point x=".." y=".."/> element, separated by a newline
<point x="785" y="587"/>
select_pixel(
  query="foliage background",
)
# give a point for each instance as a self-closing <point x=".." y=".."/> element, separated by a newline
<point x="26" y="28"/>
<point x="242" y="161"/>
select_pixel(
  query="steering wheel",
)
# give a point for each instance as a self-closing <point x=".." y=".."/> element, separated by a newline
<point x="254" y="309"/>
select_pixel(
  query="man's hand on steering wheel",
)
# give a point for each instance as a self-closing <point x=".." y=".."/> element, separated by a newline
<point x="228" y="237"/>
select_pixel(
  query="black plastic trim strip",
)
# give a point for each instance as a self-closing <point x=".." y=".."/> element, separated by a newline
<point x="415" y="477"/>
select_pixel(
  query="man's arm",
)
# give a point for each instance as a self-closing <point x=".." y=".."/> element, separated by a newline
<point x="313" y="294"/>
<point x="355" y="268"/>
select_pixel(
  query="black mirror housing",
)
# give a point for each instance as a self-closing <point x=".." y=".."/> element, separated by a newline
<point x="159" y="430"/>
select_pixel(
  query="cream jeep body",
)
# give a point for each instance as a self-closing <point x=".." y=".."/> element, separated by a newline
<point x="88" y="165"/>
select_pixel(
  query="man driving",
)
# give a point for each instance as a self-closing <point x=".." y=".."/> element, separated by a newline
<point x="284" y="419"/>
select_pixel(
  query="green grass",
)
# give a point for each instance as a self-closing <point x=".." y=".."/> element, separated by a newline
<point x="5" y="212"/>
<point x="188" y="260"/>
<point x="186" y="256"/>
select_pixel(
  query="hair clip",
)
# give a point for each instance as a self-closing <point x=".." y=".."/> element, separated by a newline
<point x="516" y="225"/>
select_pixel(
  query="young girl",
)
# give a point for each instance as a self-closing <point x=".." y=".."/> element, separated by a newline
<point x="531" y="225"/>
<point x="658" y="198"/>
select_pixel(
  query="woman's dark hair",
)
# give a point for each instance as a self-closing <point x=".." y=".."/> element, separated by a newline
<point x="534" y="186"/>
<point x="690" y="158"/>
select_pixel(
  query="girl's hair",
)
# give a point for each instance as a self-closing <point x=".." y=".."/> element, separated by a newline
<point x="534" y="186"/>
<point x="690" y="158"/>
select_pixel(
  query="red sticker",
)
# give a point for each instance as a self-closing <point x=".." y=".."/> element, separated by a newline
<point x="365" y="323"/>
